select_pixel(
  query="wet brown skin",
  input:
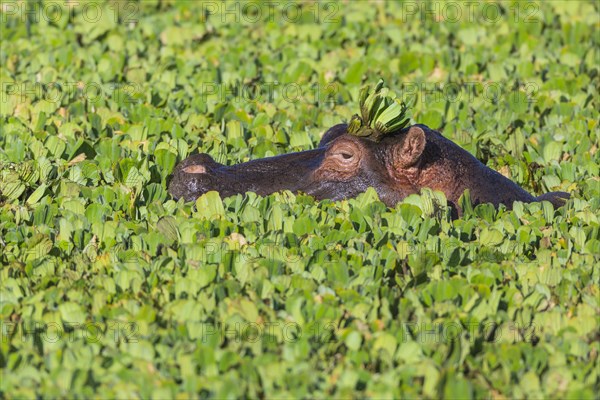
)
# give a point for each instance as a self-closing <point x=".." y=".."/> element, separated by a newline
<point x="344" y="166"/>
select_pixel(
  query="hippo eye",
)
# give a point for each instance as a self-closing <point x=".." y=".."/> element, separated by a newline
<point x="345" y="155"/>
<point x="341" y="162"/>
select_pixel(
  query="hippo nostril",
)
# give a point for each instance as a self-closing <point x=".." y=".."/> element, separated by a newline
<point x="195" y="169"/>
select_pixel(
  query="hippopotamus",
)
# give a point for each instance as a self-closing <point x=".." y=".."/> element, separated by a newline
<point x="344" y="165"/>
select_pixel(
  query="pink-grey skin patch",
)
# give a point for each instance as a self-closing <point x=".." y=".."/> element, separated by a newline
<point x="195" y="169"/>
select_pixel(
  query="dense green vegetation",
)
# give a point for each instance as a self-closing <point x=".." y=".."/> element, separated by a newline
<point x="109" y="288"/>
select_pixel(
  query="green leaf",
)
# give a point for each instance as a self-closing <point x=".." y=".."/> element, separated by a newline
<point x="552" y="151"/>
<point x="385" y="342"/>
<point x="304" y="225"/>
<point x="12" y="190"/>
<point x="353" y="340"/>
<point x="355" y="72"/>
<point x="490" y="237"/>
<point x="168" y="227"/>
<point x="37" y="194"/>
<point x="457" y="388"/>
<point x="166" y="157"/>
<point x="72" y="313"/>
<point x="210" y="206"/>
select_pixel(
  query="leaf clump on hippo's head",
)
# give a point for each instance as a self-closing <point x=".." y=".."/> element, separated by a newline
<point x="381" y="114"/>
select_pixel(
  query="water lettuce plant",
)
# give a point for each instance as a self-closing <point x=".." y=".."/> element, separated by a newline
<point x="111" y="289"/>
<point x="381" y="114"/>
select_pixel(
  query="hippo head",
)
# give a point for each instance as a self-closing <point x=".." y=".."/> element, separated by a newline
<point x="345" y="165"/>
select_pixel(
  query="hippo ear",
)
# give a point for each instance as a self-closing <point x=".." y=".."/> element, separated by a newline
<point x="411" y="147"/>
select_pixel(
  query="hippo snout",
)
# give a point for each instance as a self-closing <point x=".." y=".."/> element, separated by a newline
<point x="193" y="177"/>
